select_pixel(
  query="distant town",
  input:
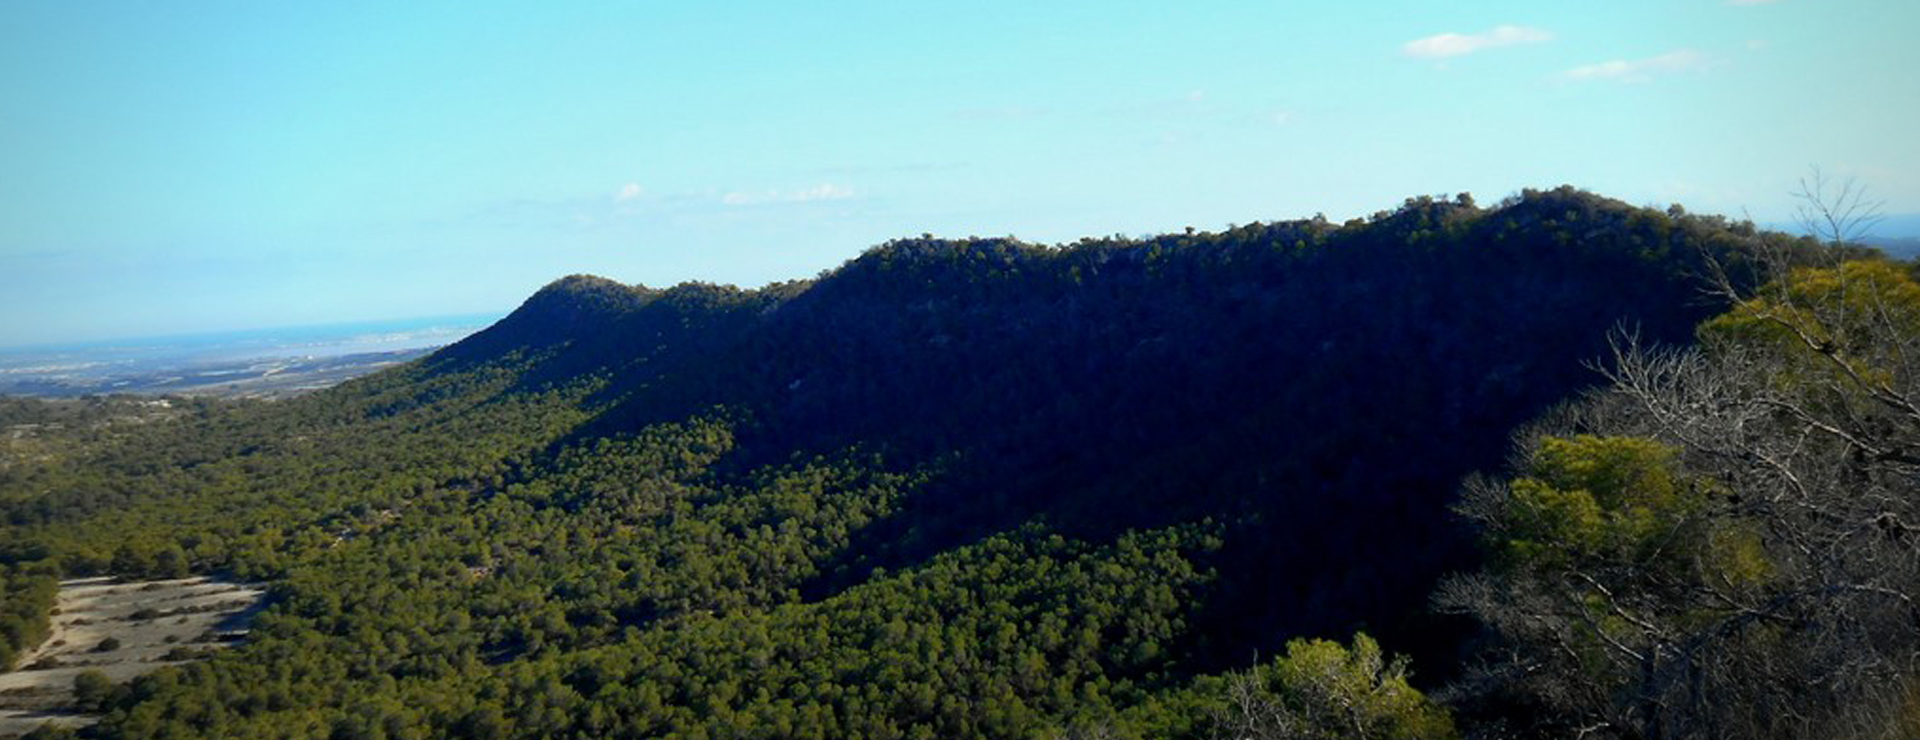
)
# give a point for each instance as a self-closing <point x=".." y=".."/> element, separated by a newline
<point x="258" y="363"/>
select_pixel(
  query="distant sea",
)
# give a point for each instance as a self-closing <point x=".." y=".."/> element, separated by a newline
<point x="85" y="363"/>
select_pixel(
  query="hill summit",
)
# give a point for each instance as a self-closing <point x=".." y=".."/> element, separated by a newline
<point x="968" y="487"/>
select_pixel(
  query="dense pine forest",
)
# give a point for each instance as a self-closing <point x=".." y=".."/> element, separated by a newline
<point x="1556" y="467"/>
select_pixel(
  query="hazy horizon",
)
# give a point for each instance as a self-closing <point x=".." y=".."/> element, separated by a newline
<point x="174" y="167"/>
<point x="289" y="335"/>
<point x="1894" y="226"/>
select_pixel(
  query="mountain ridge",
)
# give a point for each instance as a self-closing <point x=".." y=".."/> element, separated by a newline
<point x="1135" y="462"/>
<point x="857" y="357"/>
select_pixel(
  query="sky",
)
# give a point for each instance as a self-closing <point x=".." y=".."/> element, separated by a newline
<point x="184" y="166"/>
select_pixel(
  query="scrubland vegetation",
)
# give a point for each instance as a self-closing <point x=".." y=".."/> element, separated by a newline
<point x="1198" y="485"/>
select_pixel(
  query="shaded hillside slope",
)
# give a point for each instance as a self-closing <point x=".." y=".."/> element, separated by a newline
<point x="1319" y="390"/>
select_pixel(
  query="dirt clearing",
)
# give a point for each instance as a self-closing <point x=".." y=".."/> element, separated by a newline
<point x="122" y="629"/>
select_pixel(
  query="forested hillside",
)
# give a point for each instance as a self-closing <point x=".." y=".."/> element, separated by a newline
<point x="972" y="488"/>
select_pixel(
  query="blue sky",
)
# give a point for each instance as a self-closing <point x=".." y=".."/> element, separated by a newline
<point x="189" y="166"/>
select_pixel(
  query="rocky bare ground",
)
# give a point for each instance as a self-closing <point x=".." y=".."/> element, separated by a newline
<point x="122" y="629"/>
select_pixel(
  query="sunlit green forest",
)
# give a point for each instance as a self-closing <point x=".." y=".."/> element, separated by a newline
<point x="1552" y="466"/>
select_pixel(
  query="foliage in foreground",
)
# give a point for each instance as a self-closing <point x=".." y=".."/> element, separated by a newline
<point x="1723" y="543"/>
<point x="1322" y="690"/>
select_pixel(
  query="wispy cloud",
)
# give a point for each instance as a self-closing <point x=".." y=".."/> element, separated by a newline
<point x="1448" y="45"/>
<point x="910" y="168"/>
<point x="631" y="204"/>
<point x="1190" y="104"/>
<point x="1639" y="70"/>
<point x="823" y="192"/>
<point x="1000" y="114"/>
